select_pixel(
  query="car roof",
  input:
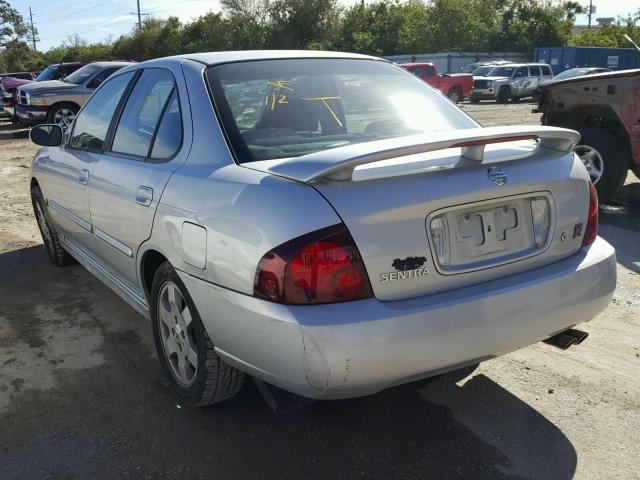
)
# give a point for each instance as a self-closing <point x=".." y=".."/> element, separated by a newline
<point x="112" y="64"/>
<point x="213" y="58"/>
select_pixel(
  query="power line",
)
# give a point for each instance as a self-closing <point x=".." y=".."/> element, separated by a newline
<point x="64" y="6"/>
<point x="65" y="16"/>
<point x="66" y="35"/>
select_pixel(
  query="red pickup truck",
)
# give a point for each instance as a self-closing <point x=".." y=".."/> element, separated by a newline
<point x="456" y="86"/>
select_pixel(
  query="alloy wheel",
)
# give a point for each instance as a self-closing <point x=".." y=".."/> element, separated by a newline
<point x="64" y="117"/>
<point x="592" y="161"/>
<point x="177" y="334"/>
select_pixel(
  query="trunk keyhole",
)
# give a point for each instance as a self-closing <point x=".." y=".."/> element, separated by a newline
<point x="488" y="228"/>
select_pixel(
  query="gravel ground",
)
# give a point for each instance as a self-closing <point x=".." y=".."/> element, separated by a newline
<point x="82" y="396"/>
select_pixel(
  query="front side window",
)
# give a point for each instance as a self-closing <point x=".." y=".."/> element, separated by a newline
<point x="141" y="114"/>
<point x="521" y="72"/>
<point x="91" y="125"/>
<point x="534" y="71"/>
<point x="546" y="71"/>
<point x="288" y="108"/>
<point x="102" y="76"/>
<point x="501" y="72"/>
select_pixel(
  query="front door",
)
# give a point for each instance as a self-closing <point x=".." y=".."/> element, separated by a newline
<point x="130" y="175"/>
<point x="69" y="169"/>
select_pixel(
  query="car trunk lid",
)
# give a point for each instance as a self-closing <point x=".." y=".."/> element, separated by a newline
<point x="480" y="187"/>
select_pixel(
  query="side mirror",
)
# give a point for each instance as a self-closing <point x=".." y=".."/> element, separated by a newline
<point x="46" y="135"/>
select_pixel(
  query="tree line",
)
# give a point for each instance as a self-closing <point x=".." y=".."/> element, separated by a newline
<point x="379" y="27"/>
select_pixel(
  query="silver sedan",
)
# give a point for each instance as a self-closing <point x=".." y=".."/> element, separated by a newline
<point x="324" y="222"/>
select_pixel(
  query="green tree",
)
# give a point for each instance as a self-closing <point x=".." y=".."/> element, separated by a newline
<point x="12" y="26"/>
<point x="611" y="35"/>
<point x="209" y="32"/>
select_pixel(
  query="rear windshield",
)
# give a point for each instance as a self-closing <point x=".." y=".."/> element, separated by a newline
<point x="288" y="108"/>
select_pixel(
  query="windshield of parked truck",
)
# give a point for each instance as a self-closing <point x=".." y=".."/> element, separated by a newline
<point x="49" y="73"/>
<point x="482" y="71"/>
<point x="82" y="74"/>
<point x="501" y="72"/>
<point x="287" y="108"/>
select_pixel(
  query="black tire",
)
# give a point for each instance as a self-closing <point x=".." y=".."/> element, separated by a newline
<point x="214" y="380"/>
<point x="56" y="253"/>
<point x="54" y="109"/>
<point x="515" y="99"/>
<point x="474" y="100"/>
<point x="504" y="94"/>
<point x="455" y="95"/>
<point x="615" y="159"/>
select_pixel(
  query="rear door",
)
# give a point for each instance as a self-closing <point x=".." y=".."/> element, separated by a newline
<point x="145" y="147"/>
<point x="68" y="170"/>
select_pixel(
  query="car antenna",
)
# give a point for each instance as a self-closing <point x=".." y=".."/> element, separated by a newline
<point x="634" y="43"/>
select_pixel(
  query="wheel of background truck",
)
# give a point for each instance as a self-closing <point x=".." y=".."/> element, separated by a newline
<point x="504" y="94"/>
<point x="515" y="99"/>
<point x="196" y="373"/>
<point x="474" y="100"/>
<point x="605" y="159"/>
<point x="62" y="114"/>
<point x="455" y="95"/>
<point x="56" y="253"/>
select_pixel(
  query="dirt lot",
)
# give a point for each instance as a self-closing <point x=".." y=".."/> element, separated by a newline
<point x="82" y="396"/>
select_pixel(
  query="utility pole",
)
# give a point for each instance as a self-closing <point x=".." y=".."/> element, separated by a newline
<point x="33" y="32"/>
<point x="590" y="11"/>
<point x="140" y="17"/>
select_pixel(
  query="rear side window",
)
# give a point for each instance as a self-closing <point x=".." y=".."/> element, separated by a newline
<point x="546" y="71"/>
<point x="534" y="71"/>
<point x="417" y="71"/>
<point x="169" y="136"/>
<point x="142" y="112"/>
<point x="91" y="125"/>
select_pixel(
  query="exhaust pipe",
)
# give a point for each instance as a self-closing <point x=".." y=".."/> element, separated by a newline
<point x="564" y="340"/>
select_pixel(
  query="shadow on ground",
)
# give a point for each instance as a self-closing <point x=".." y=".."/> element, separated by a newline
<point x="117" y="419"/>
<point x="12" y="131"/>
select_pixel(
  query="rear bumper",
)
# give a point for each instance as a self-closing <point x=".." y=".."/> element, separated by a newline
<point x="358" y="348"/>
<point x="30" y="115"/>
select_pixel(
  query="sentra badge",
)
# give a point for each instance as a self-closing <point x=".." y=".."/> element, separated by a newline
<point x="410" y="267"/>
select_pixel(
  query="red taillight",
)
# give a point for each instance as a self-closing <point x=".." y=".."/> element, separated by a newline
<point x="320" y="267"/>
<point x="591" y="232"/>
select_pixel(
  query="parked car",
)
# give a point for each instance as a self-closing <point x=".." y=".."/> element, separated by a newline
<point x="510" y="82"/>
<point x="9" y="84"/>
<point x="220" y="194"/>
<point x="604" y="108"/>
<point x="456" y="86"/>
<point x="571" y="73"/>
<point x="58" y="101"/>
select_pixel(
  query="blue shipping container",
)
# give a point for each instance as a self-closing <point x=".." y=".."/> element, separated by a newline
<point x="564" y="58"/>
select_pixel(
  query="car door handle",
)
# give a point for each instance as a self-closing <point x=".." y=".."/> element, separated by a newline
<point x="83" y="178"/>
<point x="144" y="195"/>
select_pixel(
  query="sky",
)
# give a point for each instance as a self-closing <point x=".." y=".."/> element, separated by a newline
<point x="98" y="20"/>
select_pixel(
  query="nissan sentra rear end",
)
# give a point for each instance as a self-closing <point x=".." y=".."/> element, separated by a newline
<point x="451" y="243"/>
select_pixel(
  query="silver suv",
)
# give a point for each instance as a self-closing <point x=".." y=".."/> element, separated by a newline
<point x="58" y="101"/>
<point x="510" y="82"/>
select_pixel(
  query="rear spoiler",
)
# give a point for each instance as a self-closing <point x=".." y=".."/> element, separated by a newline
<point x="339" y="163"/>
